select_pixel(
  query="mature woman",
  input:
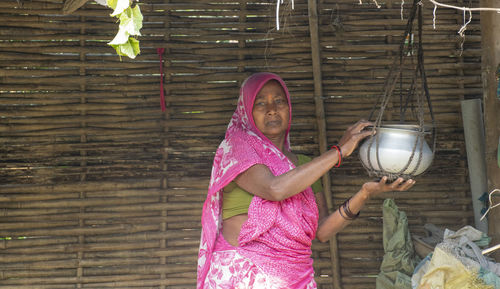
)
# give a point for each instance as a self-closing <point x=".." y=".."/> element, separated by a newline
<point x="261" y="214"/>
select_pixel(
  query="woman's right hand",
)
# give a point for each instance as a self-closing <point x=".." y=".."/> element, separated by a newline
<point x="353" y="135"/>
<point x="373" y="189"/>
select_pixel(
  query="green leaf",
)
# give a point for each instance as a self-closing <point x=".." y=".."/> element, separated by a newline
<point x="130" y="24"/>
<point x="131" y="21"/>
<point x="137" y="19"/>
<point x="111" y="3"/>
<point x="119" y="6"/>
<point x="120" y="38"/>
<point x="135" y="46"/>
<point x="130" y="49"/>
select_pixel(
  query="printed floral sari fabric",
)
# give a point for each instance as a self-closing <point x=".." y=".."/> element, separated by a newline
<point x="277" y="237"/>
<point x="230" y="270"/>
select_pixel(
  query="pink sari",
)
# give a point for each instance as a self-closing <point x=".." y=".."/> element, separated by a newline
<point x="277" y="237"/>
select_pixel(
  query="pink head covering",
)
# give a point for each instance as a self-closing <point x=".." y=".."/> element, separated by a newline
<point x="248" y="92"/>
<point x="244" y="146"/>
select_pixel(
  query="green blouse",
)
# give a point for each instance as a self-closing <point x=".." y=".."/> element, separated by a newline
<point x="236" y="201"/>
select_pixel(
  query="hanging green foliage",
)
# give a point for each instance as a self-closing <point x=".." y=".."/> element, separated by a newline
<point x="130" y="23"/>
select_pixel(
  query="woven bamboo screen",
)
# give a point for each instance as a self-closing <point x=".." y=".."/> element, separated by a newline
<point x="101" y="189"/>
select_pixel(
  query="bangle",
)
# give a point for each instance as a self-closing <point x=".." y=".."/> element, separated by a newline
<point x="348" y="212"/>
<point x="347" y="215"/>
<point x="340" y="212"/>
<point x="339" y="154"/>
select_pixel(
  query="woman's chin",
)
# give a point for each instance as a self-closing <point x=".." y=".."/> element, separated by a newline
<point x="274" y="132"/>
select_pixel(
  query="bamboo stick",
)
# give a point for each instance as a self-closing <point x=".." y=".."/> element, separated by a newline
<point x="321" y="122"/>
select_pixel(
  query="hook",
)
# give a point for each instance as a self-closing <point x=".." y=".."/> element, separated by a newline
<point x="490" y="204"/>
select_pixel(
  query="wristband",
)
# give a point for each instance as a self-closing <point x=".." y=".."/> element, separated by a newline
<point x="339" y="154"/>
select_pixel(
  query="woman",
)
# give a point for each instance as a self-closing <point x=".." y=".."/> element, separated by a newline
<point x="267" y="243"/>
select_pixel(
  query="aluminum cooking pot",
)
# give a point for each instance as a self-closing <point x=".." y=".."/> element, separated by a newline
<point x="396" y="150"/>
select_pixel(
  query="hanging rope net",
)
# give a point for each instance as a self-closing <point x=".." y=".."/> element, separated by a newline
<point x="407" y="79"/>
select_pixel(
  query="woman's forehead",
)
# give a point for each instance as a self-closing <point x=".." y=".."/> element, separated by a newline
<point x="269" y="83"/>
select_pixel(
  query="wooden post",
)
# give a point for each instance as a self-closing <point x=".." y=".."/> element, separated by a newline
<point x="490" y="42"/>
<point x="83" y="154"/>
<point x="165" y="138"/>
<point x="321" y="122"/>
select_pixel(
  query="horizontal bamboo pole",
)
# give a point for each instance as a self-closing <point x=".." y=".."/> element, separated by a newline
<point x="61" y="272"/>
<point x="98" y="205"/>
<point x="141" y="236"/>
<point x="42" y="242"/>
<point x="146" y="245"/>
<point x="30" y="259"/>
<point x="50" y="286"/>
<point x="82" y="186"/>
<point x="91" y="96"/>
<point x="153" y="282"/>
<point x="104" y="281"/>
<point x="174" y="222"/>
<point x="174" y="269"/>
<point x="57" y="25"/>
<point x="73" y="231"/>
<point x="77" y="131"/>
<point x="68" y="81"/>
<point x="179" y="243"/>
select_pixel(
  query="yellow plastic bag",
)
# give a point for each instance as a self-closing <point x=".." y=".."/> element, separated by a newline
<point x="447" y="272"/>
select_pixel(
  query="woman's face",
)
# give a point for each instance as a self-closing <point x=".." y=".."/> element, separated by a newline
<point x="270" y="110"/>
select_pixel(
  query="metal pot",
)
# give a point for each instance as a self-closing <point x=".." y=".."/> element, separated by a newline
<point x="396" y="150"/>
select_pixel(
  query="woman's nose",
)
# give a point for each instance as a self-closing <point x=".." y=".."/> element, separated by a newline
<point x="271" y="106"/>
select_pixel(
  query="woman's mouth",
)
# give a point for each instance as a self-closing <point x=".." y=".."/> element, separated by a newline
<point x="274" y="122"/>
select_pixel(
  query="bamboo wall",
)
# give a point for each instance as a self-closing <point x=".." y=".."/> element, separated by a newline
<point x="101" y="189"/>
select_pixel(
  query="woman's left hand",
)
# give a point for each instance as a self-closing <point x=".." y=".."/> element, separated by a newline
<point x="353" y="135"/>
<point x="376" y="188"/>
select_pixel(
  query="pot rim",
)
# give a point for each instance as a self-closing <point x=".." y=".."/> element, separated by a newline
<point x="404" y="127"/>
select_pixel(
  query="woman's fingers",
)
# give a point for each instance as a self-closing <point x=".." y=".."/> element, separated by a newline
<point x="364" y="133"/>
<point x="407" y="185"/>
<point x="376" y="188"/>
<point x="401" y="185"/>
<point x="353" y="135"/>
<point x="358" y="125"/>
<point x="362" y="124"/>
<point x="358" y="131"/>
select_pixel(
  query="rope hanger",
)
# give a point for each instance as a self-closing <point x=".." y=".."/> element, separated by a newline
<point x="417" y="91"/>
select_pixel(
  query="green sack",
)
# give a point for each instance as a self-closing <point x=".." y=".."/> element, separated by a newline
<point x="399" y="258"/>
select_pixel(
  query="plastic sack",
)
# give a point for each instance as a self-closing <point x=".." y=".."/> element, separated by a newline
<point x="444" y="271"/>
<point x="399" y="258"/>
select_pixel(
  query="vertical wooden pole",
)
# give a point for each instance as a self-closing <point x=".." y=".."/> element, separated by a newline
<point x="321" y="122"/>
<point x="460" y="97"/>
<point x="83" y="155"/>
<point x="242" y="42"/>
<point x="490" y="43"/>
<point x="164" y="137"/>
